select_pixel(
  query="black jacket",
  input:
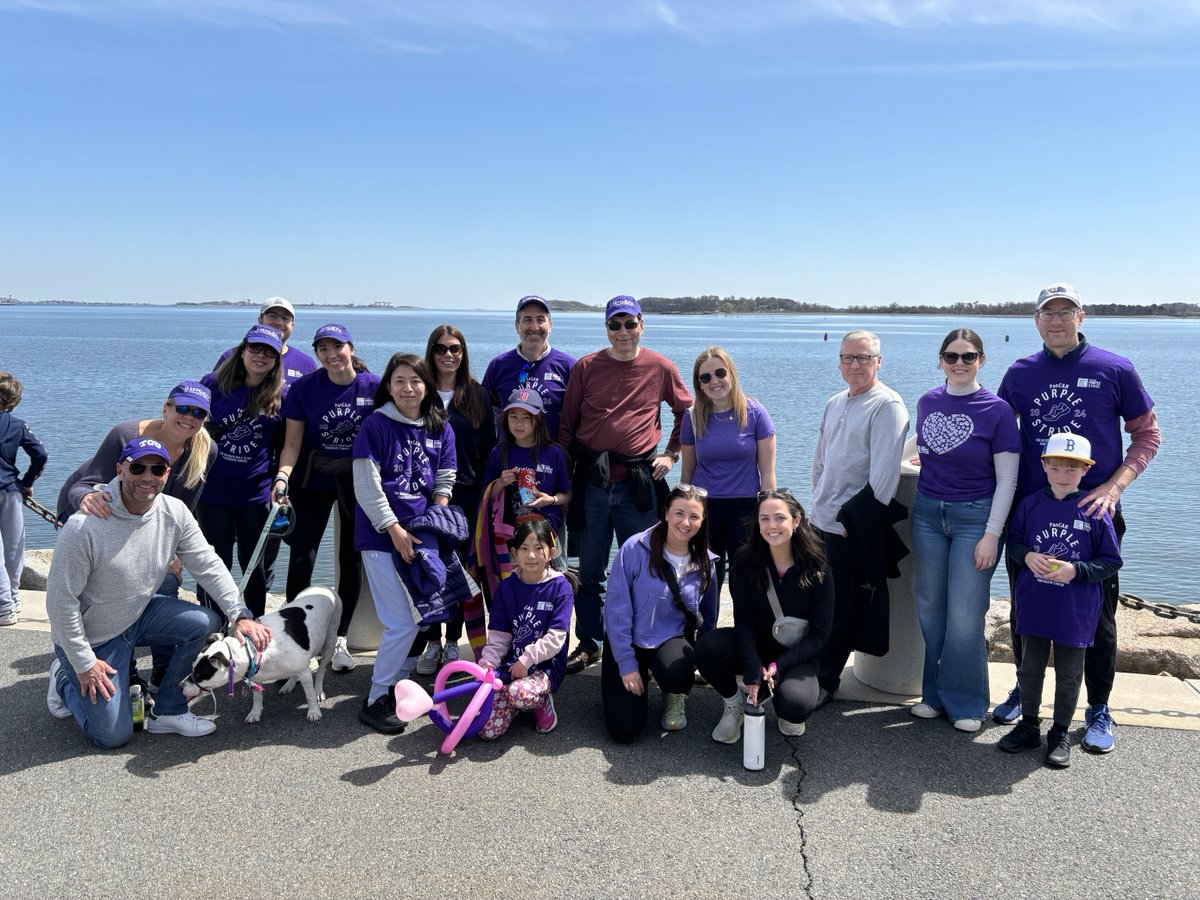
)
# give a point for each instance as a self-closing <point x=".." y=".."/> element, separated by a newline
<point x="875" y="553"/>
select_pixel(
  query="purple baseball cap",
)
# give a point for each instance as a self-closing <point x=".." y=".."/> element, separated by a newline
<point x="333" y="332"/>
<point x="532" y="298"/>
<point x="140" y="448"/>
<point x="266" y="335"/>
<point x="192" y="393"/>
<point x="622" y="303"/>
<point x="526" y="399"/>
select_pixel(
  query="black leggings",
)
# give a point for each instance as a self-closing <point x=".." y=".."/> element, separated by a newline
<point x="674" y="667"/>
<point x="243" y="525"/>
<point x="1100" y="661"/>
<point x="719" y="660"/>
<point x="312" y="515"/>
<point x="728" y="519"/>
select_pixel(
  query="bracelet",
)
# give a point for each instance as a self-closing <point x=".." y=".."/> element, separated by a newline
<point x="281" y="477"/>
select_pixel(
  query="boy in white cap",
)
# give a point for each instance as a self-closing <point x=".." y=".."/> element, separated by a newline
<point x="1064" y="553"/>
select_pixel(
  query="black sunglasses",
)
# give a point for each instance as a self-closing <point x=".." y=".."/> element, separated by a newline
<point x="443" y="349"/>
<point x="706" y="377"/>
<point x="969" y="357"/>
<point x="615" y="324"/>
<point x="194" y="411"/>
<point x="158" y="470"/>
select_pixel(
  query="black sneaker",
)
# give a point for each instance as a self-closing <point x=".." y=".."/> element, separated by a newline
<point x="1025" y="736"/>
<point x="381" y="715"/>
<point x="582" y="657"/>
<point x="1058" y="748"/>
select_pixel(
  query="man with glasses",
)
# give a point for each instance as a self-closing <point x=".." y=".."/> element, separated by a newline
<point x="534" y="364"/>
<point x="281" y="315"/>
<point x="856" y="471"/>
<point x="611" y="425"/>
<point x="101" y="603"/>
<point x="1070" y="385"/>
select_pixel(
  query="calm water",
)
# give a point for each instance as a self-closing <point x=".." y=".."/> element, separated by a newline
<point x="85" y="368"/>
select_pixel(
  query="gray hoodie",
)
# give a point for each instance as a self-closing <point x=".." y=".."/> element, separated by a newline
<point x="105" y="572"/>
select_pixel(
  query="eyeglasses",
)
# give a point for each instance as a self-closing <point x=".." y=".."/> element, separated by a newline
<point x="615" y="324"/>
<point x="158" y="470"/>
<point x="706" y="377"/>
<point x="443" y="349"/>
<point x="278" y="316"/>
<point x="693" y="489"/>
<point x="194" y="411"/>
<point x="1066" y="315"/>
<point x="260" y="350"/>
<point x="969" y="357"/>
<point x="774" y="493"/>
<point x="524" y="374"/>
<point x="861" y="358"/>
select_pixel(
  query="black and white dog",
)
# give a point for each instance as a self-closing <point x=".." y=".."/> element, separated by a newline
<point x="301" y="630"/>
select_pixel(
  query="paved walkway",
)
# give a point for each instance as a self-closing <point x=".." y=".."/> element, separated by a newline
<point x="869" y="802"/>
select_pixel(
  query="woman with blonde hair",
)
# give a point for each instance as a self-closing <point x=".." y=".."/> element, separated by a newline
<point x="728" y="448"/>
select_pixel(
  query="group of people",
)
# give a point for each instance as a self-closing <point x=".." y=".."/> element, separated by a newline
<point x="497" y="478"/>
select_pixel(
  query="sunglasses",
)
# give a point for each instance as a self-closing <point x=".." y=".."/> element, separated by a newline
<point x="158" y="470"/>
<point x="615" y="325"/>
<point x="706" y="377"/>
<point x="194" y="411"/>
<point x="774" y="493"/>
<point x="260" y="350"/>
<point x="524" y="375"/>
<point x="951" y="357"/>
<point x="443" y="349"/>
<point x="691" y="488"/>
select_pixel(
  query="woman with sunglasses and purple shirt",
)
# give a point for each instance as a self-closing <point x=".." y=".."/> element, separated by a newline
<point x="968" y="448"/>
<point x="247" y="393"/>
<point x="469" y="413"/>
<point x="728" y="448"/>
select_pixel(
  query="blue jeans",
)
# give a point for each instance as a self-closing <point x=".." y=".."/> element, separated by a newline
<point x="12" y="549"/>
<point x="167" y="622"/>
<point x="606" y="510"/>
<point x="952" y="601"/>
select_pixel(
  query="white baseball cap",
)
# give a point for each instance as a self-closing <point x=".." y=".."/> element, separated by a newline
<point x="1069" y="446"/>
<point x="1058" y="291"/>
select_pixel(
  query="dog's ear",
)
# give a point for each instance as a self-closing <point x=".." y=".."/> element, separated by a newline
<point x="212" y="639"/>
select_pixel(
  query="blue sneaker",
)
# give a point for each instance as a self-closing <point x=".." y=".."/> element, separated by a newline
<point x="1098" y="738"/>
<point x="1010" y="710"/>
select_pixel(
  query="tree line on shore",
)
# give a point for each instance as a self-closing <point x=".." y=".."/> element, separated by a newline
<point x="712" y="304"/>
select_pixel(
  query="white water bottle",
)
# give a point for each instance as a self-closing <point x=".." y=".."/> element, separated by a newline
<point x="754" y="733"/>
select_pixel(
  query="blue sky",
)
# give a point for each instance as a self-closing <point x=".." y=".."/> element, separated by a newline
<point x="461" y="154"/>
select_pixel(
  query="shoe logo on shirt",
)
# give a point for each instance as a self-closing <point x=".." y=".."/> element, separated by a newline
<point x="1057" y="408"/>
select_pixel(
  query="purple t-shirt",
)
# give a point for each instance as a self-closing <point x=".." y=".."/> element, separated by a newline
<point x="241" y="476"/>
<point x="727" y="456"/>
<point x="1088" y="392"/>
<point x="550" y="473"/>
<point x="408" y="457"/>
<point x="956" y="437"/>
<point x="1061" y="612"/>
<point x="548" y="376"/>
<point x="296" y="364"/>
<point x="332" y="414"/>
<point x="528" y="612"/>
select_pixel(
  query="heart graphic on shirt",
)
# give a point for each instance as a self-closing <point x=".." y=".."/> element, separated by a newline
<point x="943" y="433"/>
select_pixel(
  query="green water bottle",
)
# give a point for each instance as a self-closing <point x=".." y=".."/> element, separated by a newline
<point x="138" y="702"/>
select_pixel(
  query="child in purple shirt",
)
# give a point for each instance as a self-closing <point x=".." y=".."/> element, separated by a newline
<point x="1064" y="554"/>
<point x="527" y="631"/>
<point x="526" y="454"/>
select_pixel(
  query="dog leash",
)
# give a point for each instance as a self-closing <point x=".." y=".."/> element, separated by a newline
<point x="267" y="532"/>
<point x="255" y="663"/>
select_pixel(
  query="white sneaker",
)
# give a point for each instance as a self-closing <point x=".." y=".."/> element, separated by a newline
<point x="188" y="724"/>
<point x="9" y="618"/>
<point x="342" y="660"/>
<point x="450" y="653"/>
<point x="54" y="700"/>
<point x="674" y="717"/>
<point x="968" y="725"/>
<point x="729" y="728"/>
<point x="427" y="662"/>
<point x="792" y="729"/>
<point x="925" y="711"/>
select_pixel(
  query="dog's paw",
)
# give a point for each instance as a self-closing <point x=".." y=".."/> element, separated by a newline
<point x="313" y="715"/>
<point x="253" y="716"/>
<point x="288" y="685"/>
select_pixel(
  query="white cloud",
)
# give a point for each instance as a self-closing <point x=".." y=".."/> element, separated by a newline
<point x="420" y="24"/>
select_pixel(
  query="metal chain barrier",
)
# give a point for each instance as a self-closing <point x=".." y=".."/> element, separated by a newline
<point x="1162" y="610"/>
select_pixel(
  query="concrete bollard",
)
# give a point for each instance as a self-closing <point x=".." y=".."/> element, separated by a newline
<point x="899" y="670"/>
<point x="365" y="628"/>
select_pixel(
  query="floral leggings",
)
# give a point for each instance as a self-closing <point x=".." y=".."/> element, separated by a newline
<point x="530" y="692"/>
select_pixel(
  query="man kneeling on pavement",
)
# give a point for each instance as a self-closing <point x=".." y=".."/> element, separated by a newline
<point x="101" y="600"/>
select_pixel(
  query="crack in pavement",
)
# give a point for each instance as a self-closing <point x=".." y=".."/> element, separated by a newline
<point x="794" y="745"/>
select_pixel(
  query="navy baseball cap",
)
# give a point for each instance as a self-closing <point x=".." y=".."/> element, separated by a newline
<point x="532" y="298"/>
<point x="140" y="448"/>
<point x="526" y="399"/>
